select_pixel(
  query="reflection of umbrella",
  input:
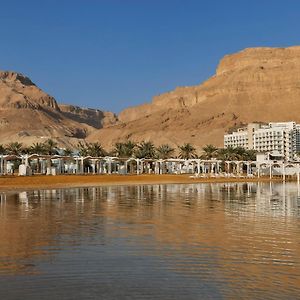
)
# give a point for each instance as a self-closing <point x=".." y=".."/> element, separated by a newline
<point x="23" y="197"/>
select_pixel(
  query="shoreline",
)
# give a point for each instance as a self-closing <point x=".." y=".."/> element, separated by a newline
<point x="16" y="183"/>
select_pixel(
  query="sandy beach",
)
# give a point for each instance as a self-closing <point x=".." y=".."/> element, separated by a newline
<point x="66" y="181"/>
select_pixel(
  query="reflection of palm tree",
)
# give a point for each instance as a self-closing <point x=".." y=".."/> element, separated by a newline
<point x="145" y="150"/>
<point x="164" y="151"/>
<point x="187" y="151"/>
<point x="210" y="151"/>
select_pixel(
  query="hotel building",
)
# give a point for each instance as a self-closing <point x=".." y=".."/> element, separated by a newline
<point x="243" y="137"/>
<point x="278" y="138"/>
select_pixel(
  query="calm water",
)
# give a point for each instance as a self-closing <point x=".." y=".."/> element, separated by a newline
<point x="200" y="241"/>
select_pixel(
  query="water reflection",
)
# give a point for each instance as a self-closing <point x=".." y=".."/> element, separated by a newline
<point x="222" y="240"/>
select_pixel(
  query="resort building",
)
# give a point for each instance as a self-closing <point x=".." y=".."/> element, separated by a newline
<point x="297" y="138"/>
<point x="276" y="137"/>
<point x="243" y="137"/>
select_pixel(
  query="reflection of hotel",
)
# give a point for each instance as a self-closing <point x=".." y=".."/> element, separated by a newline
<point x="281" y="138"/>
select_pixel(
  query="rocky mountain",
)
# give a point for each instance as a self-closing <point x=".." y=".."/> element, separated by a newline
<point x="93" y="117"/>
<point x="27" y="114"/>
<point x="256" y="84"/>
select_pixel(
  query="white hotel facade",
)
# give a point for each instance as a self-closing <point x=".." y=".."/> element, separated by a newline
<point x="281" y="138"/>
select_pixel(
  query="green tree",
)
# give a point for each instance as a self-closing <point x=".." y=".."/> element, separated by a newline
<point x="67" y="152"/>
<point x="40" y="149"/>
<point x="228" y="153"/>
<point x="145" y="150"/>
<point x="26" y="150"/>
<point x="14" y="148"/>
<point x="96" y="150"/>
<point x="37" y="148"/>
<point x="165" y="151"/>
<point x="238" y="153"/>
<point x="241" y="153"/>
<point x="209" y="152"/>
<point x="50" y="147"/>
<point x="2" y="150"/>
<point x="124" y="149"/>
<point x="82" y="149"/>
<point x="187" y="151"/>
<point x="250" y="154"/>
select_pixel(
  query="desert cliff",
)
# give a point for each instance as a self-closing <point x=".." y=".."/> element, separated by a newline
<point x="255" y="84"/>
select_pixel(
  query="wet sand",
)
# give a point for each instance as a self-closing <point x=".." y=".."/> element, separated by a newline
<point x="66" y="181"/>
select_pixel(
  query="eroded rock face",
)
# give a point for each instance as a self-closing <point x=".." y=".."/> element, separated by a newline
<point x="93" y="117"/>
<point x="259" y="57"/>
<point x="28" y="114"/>
<point x="18" y="91"/>
<point x="256" y="84"/>
<point x="14" y="76"/>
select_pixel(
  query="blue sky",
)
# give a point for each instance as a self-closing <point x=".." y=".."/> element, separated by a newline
<point x="114" y="54"/>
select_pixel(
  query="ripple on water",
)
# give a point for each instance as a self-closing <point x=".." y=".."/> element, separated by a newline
<point x="193" y="241"/>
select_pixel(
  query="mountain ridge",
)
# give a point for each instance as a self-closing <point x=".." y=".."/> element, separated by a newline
<point x="255" y="84"/>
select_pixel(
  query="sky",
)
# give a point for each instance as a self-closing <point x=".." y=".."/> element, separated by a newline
<point x="112" y="54"/>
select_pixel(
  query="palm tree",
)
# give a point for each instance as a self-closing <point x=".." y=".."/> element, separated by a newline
<point x="243" y="154"/>
<point x="164" y="151"/>
<point x="250" y="155"/>
<point x="209" y="152"/>
<point x="124" y="149"/>
<point x="118" y="149"/>
<point x="187" y="151"/>
<point x="96" y="150"/>
<point x="50" y="147"/>
<point x="82" y="148"/>
<point x="145" y="150"/>
<point x="228" y="153"/>
<point x="14" y="148"/>
<point x="2" y="150"/>
<point x="37" y="148"/>
<point x="26" y="150"/>
<point x="240" y="152"/>
<point x="68" y="152"/>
